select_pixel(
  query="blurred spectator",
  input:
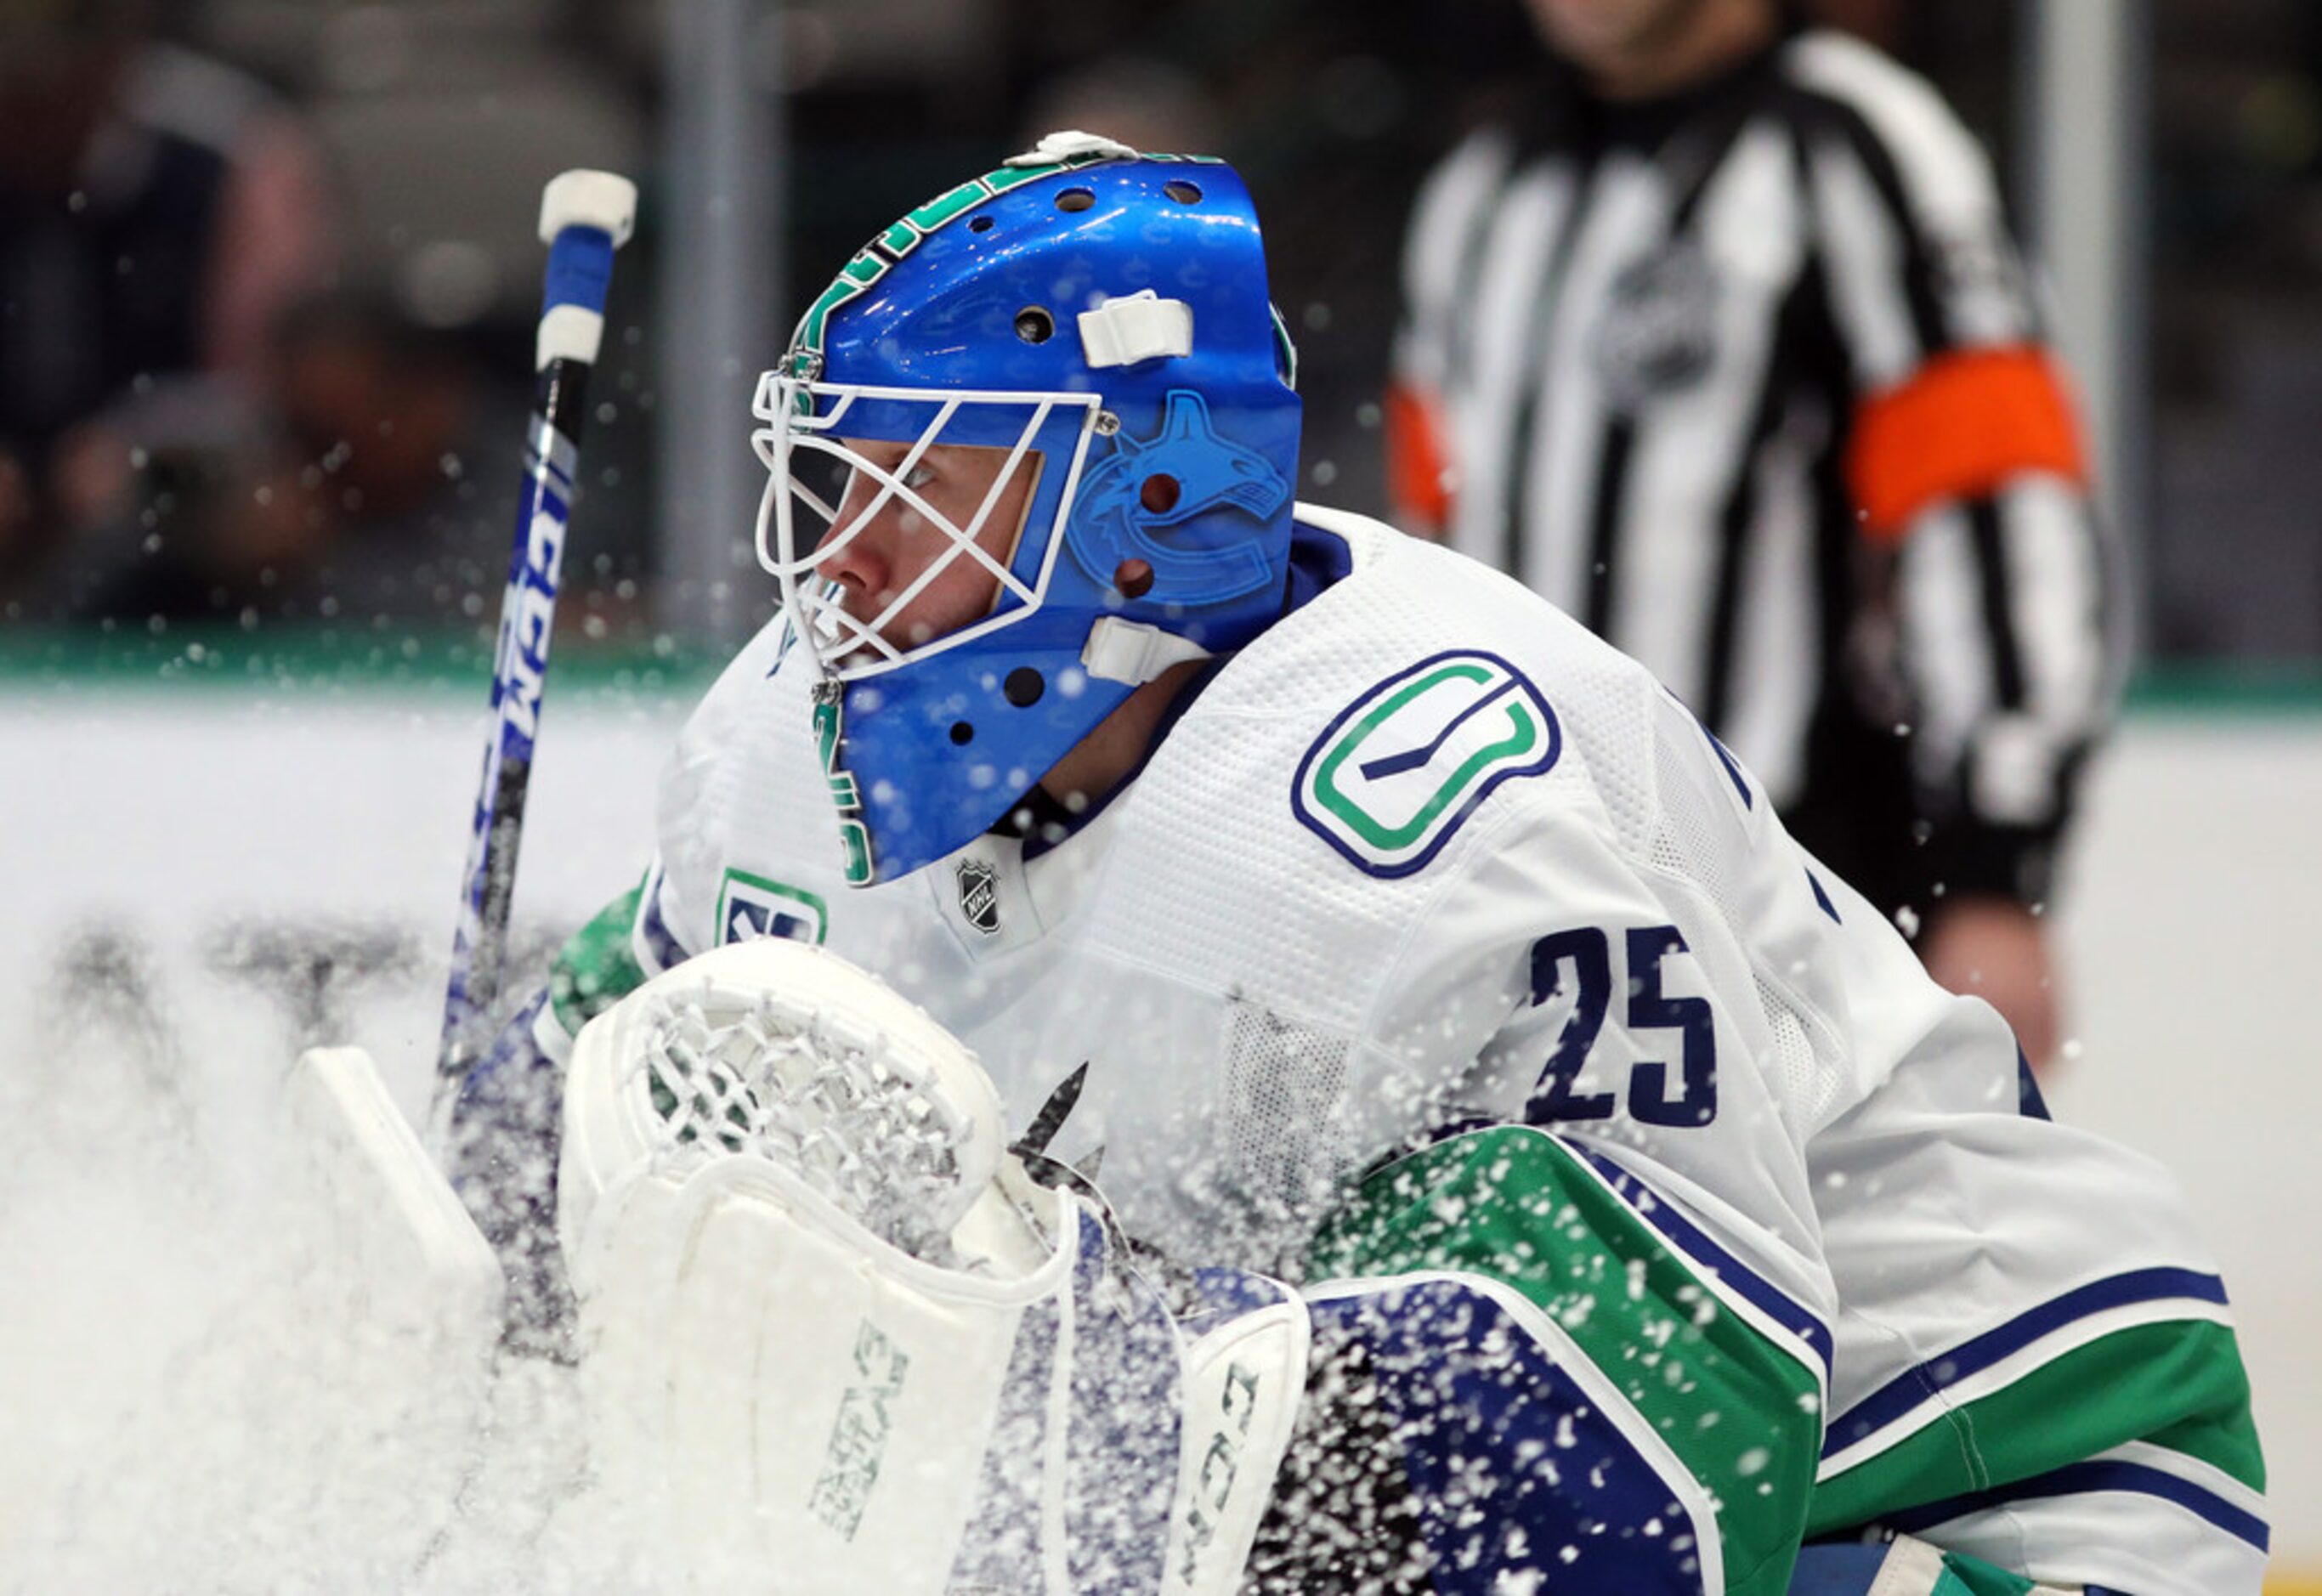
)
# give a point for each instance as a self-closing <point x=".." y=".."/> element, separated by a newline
<point x="158" y="212"/>
<point x="348" y="499"/>
<point x="1725" y="348"/>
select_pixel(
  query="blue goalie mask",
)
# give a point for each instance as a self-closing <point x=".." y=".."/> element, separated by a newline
<point x="1034" y="446"/>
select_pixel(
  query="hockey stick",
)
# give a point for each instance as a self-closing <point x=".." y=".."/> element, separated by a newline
<point x="584" y="218"/>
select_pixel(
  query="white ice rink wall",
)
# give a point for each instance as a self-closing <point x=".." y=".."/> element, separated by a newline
<point x="154" y="840"/>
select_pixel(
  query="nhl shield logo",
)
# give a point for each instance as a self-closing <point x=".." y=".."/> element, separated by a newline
<point x="979" y="896"/>
<point x="1659" y="336"/>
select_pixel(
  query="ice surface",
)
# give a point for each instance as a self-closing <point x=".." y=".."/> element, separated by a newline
<point x="202" y="1392"/>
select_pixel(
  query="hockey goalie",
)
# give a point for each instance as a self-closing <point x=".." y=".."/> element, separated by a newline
<point x="1175" y="1040"/>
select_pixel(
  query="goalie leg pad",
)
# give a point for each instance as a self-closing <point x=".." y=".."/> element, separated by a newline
<point x="1245" y="1376"/>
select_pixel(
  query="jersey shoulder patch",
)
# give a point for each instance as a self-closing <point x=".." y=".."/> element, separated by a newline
<point x="1397" y="772"/>
<point x="750" y="906"/>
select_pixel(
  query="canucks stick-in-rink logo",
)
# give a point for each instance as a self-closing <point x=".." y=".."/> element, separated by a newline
<point x="979" y="896"/>
<point x="751" y="906"/>
<point x="1394" y="776"/>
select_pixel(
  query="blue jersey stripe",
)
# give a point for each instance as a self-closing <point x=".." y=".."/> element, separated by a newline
<point x="1914" y="1386"/>
<point x="1823" y="898"/>
<point x="2082" y="1478"/>
<point x="1688" y="1239"/>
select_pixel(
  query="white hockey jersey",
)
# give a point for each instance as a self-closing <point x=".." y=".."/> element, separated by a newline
<point x="1427" y="857"/>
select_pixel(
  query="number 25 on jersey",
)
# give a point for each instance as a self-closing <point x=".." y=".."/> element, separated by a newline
<point x="1580" y="963"/>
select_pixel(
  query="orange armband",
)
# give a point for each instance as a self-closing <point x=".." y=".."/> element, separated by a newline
<point x="1961" y="425"/>
<point x="1418" y="459"/>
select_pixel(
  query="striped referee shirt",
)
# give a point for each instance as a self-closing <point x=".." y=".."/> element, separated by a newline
<point x="1752" y="383"/>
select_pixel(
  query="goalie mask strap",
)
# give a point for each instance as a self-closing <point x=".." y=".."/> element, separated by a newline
<point x="1140" y="326"/>
<point x="1133" y="651"/>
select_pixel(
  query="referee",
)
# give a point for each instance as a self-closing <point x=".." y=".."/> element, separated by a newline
<point x="1727" y="351"/>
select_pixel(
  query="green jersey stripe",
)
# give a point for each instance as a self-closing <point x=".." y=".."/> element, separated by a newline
<point x="2181" y="1380"/>
<point x="2226" y="1440"/>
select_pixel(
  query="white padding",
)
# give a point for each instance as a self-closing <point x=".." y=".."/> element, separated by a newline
<point x="568" y="332"/>
<point x="785" y="1390"/>
<point x="1065" y="144"/>
<point x="606" y="201"/>
<point x="1243" y="1384"/>
<point x="1911" y="1568"/>
<point x="1141" y="326"/>
<point x="1914" y="1568"/>
<point x="1133" y="651"/>
<point x="773" y="1384"/>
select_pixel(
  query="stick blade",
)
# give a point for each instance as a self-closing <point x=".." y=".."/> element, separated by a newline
<point x="392" y="1207"/>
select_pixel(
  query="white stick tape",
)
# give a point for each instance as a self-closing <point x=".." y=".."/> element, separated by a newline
<point x="569" y="332"/>
<point x="582" y="198"/>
